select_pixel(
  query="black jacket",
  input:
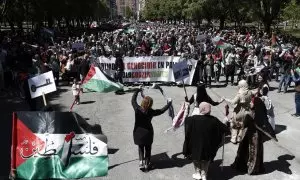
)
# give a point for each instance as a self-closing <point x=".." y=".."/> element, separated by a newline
<point x="143" y="129"/>
<point x="119" y="64"/>
<point x="203" y="136"/>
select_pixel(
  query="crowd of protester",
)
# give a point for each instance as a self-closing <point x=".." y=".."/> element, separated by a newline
<point x="246" y="53"/>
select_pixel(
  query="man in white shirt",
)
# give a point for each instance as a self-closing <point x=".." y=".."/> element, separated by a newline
<point x="230" y="60"/>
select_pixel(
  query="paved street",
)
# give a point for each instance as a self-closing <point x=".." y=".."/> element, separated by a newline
<point x="115" y="114"/>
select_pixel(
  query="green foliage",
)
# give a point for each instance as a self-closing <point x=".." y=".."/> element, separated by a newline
<point x="292" y="12"/>
<point x="17" y="11"/>
<point x="128" y="12"/>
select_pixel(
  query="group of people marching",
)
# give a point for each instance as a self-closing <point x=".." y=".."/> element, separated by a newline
<point x="251" y="123"/>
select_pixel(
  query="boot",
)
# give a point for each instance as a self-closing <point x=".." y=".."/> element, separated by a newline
<point x="141" y="165"/>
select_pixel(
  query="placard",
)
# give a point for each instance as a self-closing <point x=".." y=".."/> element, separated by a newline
<point x="41" y="84"/>
<point x="181" y="71"/>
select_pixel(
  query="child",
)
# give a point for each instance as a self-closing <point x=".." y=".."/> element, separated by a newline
<point x="269" y="106"/>
<point x="76" y="89"/>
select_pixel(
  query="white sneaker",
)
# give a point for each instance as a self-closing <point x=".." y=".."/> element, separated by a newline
<point x="197" y="176"/>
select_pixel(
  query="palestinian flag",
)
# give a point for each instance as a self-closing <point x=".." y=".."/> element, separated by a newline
<point x="220" y="44"/>
<point x="56" y="145"/>
<point x="179" y="119"/>
<point x="98" y="81"/>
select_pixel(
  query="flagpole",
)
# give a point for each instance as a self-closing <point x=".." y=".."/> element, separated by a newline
<point x="44" y="99"/>
<point x="184" y="88"/>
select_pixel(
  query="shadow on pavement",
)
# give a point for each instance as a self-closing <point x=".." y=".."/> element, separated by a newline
<point x="216" y="172"/>
<point x="112" y="150"/>
<point x="116" y="165"/>
<point x="281" y="164"/>
<point x="88" y="102"/>
<point x="279" y="128"/>
<point x="218" y="85"/>
<point x="163" y="161"/>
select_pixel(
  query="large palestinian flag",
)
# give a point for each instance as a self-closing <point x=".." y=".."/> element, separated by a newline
<point x="56" y="145"/>
<point x="98" y="81"/>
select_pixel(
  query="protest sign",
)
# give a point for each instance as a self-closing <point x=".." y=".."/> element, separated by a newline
<point x="41" y="84"/>
<point x="148" y="68"/>
<point x="78" y="46"/>
<point x="180" y="71"/>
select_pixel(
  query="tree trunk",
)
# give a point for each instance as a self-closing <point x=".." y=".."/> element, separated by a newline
<point x="50" y="21"/>
<point x="267" y="27"/>
<point x="12" y="26"/>
<point x="20" y="25"/>
<point x="222" y="22"/>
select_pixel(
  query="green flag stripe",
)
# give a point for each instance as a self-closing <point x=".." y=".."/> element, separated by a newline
<point x="100" y="86"/>
<point x="79" y="167"/>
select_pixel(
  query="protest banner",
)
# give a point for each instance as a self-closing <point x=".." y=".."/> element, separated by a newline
<point x="148" y="68"/>
<point x="41" y="85"/>
<point x="56" y="145"/>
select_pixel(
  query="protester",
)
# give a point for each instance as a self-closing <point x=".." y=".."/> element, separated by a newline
<point x="54" y="65"/>
<point x="76" y="90"/>
<point x="203" y="136"/>
<point x="201" y="96"/>
<point x="250" y="153"/>
<point x="119" y="67"/>
<point x="269" y="105"/>
<point x="230" y="62"/>
<point x="296" y="79"/>
<point x="241" y="104"/>
<point x="143" y="130"/>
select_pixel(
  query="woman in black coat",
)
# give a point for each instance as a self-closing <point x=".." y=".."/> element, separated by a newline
<point x="201" y="96"/>
<point x="143" y="129"/>
<point x="203" y="136"/>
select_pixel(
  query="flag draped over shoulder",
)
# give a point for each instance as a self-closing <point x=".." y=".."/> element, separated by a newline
<point x="56" y="145"/>
<point x="97" y="80"/>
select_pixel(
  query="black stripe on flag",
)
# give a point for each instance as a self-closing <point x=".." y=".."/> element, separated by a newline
<point x="56" y="123"/>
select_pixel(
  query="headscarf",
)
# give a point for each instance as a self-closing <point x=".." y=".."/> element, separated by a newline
<point x="201" y="93"/>
<point x="243" y="90"/>
<point x="204" y="108"/>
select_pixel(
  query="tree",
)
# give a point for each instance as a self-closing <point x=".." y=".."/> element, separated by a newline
<point x="128" y="12"/>
<point x="292" y="12"/>
<point x="38" y="11"/>
<point x="267" y="11"/>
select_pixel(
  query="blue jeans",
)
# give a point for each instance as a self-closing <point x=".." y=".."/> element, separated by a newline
<point x="284" y="78"/>
<point x="297" y="102"/>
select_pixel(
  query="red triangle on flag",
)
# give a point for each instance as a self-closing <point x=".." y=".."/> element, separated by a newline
<point x="219" y="43"/>
<point x="90" y="74"/>
<point x="26" y="144"/>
